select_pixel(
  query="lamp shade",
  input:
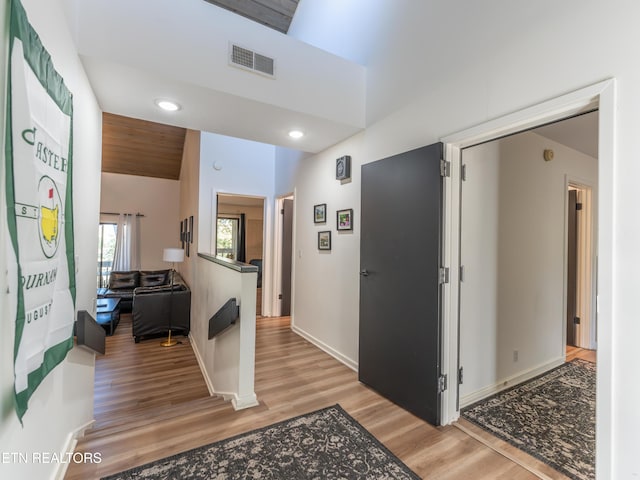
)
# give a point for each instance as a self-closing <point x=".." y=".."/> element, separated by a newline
<point x="175" y="255"/>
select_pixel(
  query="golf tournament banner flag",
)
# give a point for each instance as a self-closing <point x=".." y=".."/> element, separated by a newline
<point x="39" y="208"/>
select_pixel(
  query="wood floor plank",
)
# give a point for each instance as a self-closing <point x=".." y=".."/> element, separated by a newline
<point x="139" y="420"/>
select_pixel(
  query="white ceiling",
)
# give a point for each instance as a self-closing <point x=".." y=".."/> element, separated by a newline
<point x="136" y="52"/>
<point x="579" y="133"/>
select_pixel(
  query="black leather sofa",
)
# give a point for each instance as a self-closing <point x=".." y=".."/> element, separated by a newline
<point x="122" y="284"/>
<point x="147" y="295"/>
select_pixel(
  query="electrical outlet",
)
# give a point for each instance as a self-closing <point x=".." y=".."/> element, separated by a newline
<point x="515" y="355"/>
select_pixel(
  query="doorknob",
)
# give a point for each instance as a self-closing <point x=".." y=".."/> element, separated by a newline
<point x="364" y="273"/>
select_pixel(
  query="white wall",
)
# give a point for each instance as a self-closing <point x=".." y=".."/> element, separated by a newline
<point x="287" y="164"/>
<point x="500" y="57"/>
<point x="158" y="199"/>
<point x="513" y="250"/>
<point x="227" y="360"/>
<point x="346" y="38"/>
<point x="479" y="238"/>
<point x="245" y="168"/>
<point x="326" y="283"/>
<point x="64" y="400"/>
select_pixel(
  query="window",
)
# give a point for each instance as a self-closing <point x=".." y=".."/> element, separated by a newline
<point x="227" y="237"/>
<point x="106" y="251"/>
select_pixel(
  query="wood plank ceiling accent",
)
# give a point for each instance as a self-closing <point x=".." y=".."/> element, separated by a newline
<point x="138" y="147"/>
<point x="276" y="14"/>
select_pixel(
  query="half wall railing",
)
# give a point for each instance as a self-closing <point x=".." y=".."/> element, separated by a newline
<point x="227" y="358"/>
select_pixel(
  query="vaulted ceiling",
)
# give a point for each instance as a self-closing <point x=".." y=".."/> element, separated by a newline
<point x="313" y="90"/>
<point x="180" y="51"/>
<point x="140" y="147"/>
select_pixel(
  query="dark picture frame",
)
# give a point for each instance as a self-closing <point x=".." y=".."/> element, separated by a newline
<point x="343" y="168"/>
<point x="191" y="229"/>
<point x="186" y="236"/>
<point x="324" y="240"/>
<point x="344" y="219"/>
<point x="320" y="213"/>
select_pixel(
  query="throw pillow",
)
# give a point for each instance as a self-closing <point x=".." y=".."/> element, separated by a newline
<point x="153" y="278"/>
<point x="119" y="280"/>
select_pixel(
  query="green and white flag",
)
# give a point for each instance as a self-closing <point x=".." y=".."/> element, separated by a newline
<point x="39" y="208"/>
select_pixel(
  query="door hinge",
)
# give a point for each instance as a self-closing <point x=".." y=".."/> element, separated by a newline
<point x="282" y="211"/>
<point x="445" y="168"/>
<point x="463" y="173"/>
<point x="578" y="206"/>
<point x="442" y="383"/>
<point x="280" y="296"/>
<point x="460" y="376"/>
<point x="443" y="275"/>
<point x="576" y="320"/>
<point x="462" y="273"/>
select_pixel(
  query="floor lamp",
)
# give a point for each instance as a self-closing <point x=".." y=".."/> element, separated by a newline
<point x="173" y="255"/>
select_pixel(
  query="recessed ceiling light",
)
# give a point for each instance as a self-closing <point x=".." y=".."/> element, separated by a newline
<point x="296" y="134"/>
<point x="167" y="105"/>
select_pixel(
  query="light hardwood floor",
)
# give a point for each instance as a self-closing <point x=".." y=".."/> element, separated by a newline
<point x="583" y="353"/>
<point x="151" y="404"/>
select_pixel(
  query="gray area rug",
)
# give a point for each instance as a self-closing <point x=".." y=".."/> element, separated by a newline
<point x="552" y="417"/>
<point x="326" y="444"/>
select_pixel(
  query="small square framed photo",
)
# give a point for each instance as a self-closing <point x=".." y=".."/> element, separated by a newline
<point x="324" y="240"/>
<point x="320" y="213"/>
<point x="343" y="168"/>
<point x="344" y="219"/>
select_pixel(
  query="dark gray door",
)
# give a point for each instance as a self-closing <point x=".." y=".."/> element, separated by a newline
<point x="287" y="241"/>
<point x="400" y="259"/>
<point x="572" y="268"/>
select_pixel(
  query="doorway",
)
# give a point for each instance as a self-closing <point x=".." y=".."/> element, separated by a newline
<point x="581" y="315"/>
<point x="284" y="258"/>
<point x="519" y="274"/>
<point x="240" y="233"/>
<point x="600" y="96"/>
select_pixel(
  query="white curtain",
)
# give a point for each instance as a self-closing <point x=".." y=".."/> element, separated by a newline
<point x="127" y="254"/>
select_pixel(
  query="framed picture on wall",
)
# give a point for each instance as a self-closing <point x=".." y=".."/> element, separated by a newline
<point x="344" y="219"/>
<point x="324" y="240"/>
<point x="343" y="168"/>
<point x="320" y="213"/>
<point x="185" y="222"/>
<point x="191" y="229"/>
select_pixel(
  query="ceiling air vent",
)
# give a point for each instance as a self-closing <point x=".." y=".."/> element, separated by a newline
<point x="250" y="60"/>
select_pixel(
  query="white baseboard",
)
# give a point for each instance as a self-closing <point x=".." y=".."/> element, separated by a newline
<point x="353" y="365"/>
<point x="246" y="401"/>
<point x="240" y="403"/>
<point x="68" y="449"/>
<point x="508" y="382"/>
<point x="207" y="380"/>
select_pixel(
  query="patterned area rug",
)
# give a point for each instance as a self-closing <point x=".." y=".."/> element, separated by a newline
<point x="327" y="444"/>
<point x="552" y="417"/>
